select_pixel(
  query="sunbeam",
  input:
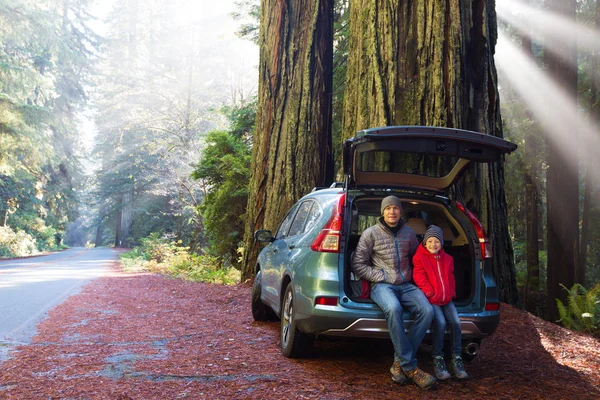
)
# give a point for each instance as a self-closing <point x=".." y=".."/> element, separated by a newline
<point x="556" y="111"/>
<point x="556" y="31"/>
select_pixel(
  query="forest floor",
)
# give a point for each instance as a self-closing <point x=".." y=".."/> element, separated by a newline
<point x="143" y="336"/>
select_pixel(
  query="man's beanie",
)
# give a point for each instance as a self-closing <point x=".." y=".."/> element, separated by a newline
<point x="434" y="231"/>
<point x="390" y="201"/>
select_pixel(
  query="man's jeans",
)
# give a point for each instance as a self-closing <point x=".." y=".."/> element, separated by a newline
<point x="393" y="299"/>
<point x="443" y="314"/>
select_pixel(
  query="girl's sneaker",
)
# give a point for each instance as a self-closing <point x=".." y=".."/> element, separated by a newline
<point x="439" y="368"/>
<point x="458" y="368"/>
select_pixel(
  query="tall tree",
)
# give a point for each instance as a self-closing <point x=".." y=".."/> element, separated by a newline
<point x="532" y="148"/>
<point x="292" y="143"/>
<point x="562" y="178"/>
<point x="590" y="164"/>
<point x="431" y="63"/>
<point x="46" y="58"/>
<point x="159" y="85"/>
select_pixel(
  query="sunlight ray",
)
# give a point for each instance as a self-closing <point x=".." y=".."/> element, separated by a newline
<point x="555" y="110"/>
<point x="541" y="25"/>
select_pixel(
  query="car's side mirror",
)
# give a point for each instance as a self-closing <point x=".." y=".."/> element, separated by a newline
<point x="263" y="235"/>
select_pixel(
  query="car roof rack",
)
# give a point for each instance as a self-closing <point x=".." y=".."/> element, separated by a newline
<point x="333" y="186"/>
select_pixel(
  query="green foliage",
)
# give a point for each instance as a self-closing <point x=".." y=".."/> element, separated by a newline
<point x="159" y="254"/>
<point x="249" y="14"/>
<point x="241" y="120"/>
<point x="16" y="243"/>
<point x="46" y="56"/>
<point x="155" y="104"/>
<point x="225" y="167"/>
<point x="520" y="255"/>
<point x="582" y="312"/>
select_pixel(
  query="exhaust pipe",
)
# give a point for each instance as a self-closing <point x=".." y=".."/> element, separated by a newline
<point x="471" y="348"/>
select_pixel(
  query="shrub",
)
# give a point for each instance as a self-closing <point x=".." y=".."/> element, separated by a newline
<point x="582" y="312"/>
<point x="16" y="244"/>
<point x="160" y="255"/>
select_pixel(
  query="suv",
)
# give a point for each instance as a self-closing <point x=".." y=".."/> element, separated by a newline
<point x="304" y="276"/>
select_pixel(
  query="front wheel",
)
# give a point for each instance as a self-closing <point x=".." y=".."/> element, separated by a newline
<point x="294" y="343"/>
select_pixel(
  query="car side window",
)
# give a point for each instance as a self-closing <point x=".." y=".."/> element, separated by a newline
<point x="282" y="232"/>
<point x="313" y="216"/>
<point x="300" y="219"/>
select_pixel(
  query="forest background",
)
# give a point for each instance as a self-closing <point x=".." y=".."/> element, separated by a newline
<point x="174" y="110"/>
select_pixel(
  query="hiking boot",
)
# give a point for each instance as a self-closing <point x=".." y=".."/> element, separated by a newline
<point x="398" y="375"/>
<point x="457" y="366"/>
<point x="439" y="368"/>
<point x="421" y="378"/>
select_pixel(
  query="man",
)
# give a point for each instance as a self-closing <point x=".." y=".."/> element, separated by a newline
<point x="383" y="257"/>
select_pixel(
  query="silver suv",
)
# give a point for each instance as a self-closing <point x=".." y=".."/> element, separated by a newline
<point x="303" y="274"/>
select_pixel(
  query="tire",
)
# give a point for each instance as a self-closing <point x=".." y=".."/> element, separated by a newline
<point x="294" y="344"/>
<point x="260" y="311"/>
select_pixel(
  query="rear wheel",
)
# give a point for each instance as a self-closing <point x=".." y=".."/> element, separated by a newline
<point x="294" y="343"/>
<point x="260" y="311"/>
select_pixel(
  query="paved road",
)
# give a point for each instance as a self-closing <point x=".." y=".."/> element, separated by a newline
<point x="30" y="287"/>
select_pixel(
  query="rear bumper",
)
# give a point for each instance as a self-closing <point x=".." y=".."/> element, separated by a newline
<point x="473" y="326"/>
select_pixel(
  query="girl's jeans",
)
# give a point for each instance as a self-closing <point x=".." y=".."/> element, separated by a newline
<point x="445" y="315"/>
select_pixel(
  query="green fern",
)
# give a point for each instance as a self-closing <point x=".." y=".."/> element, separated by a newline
<point x="583" y="311"/>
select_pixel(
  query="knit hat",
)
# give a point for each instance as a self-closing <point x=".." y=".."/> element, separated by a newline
<point x="434" y="231"/>
<point x="390" y="201"/>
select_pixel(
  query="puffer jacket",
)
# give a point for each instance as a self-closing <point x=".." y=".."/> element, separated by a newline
<point x="434" y="274"/>
<point x="381" y="256"/>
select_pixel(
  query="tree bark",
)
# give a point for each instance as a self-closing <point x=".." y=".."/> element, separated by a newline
<point x="98" y="238"/>
<point x="562" y="187"/>
<point x="431" y="63"/>
<point x="532" y="283"/>
<point x="588" y="180"/>
<point x="124" y="214"/>
<point x="292" y="142"/>
<point x="118" y="220"/>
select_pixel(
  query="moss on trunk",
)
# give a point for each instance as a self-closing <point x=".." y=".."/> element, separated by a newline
<point x="430" y="62"/>
<point x="292" y="142"/>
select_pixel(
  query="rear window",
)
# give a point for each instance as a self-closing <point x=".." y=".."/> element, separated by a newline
<point x="405" y="163"/>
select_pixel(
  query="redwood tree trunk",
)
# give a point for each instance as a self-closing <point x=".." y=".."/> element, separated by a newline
<point x="562" y="181"/>
<point x="532" y="285"/>
<point x="118" y="220"/>
<point x="431" y="63"/>
<point x="292" y="142"/>
<point x="588" y="203"/>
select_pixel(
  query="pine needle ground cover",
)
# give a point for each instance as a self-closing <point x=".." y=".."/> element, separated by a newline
<point x="137" y="335"/>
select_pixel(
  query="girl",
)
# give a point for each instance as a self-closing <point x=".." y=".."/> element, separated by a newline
<point x="434" y="274"/>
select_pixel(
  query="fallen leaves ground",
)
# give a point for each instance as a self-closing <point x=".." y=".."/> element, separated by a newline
<point x="141" y="336"/>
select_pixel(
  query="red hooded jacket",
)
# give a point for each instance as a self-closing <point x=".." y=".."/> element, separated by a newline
<point x="434" y="274"/>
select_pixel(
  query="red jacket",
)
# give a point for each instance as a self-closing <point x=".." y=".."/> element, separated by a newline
<point x="434" y="274"/>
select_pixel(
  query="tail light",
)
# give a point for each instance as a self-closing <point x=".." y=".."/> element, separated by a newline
<point x="484" y="241"/>
<point x="326" y="301"/>
<point x="328" y="240"/>
<point x="492" y="306"/>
